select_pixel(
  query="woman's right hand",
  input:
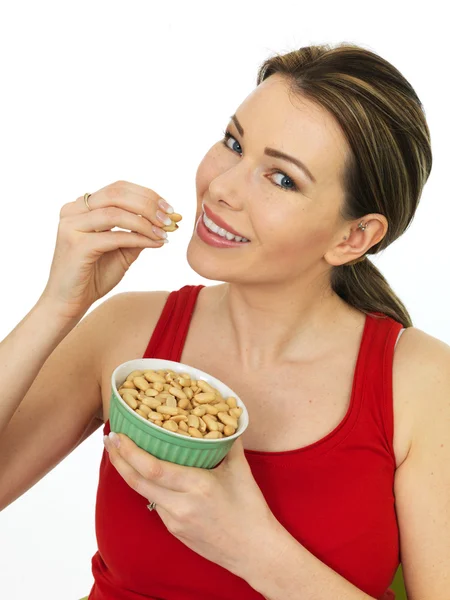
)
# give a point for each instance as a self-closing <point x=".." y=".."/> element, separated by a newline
<point x="89" y="258"/>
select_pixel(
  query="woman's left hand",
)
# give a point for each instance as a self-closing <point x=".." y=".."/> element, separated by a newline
<point x="219" y="513"/>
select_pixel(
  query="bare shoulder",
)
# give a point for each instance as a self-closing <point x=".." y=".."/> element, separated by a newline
<point x="421" y="365"/>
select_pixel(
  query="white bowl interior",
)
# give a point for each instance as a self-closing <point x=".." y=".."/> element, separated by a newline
<point x="122" y="371"/>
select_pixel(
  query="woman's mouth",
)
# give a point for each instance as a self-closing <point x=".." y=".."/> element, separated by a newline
<point x="213" y="235"/>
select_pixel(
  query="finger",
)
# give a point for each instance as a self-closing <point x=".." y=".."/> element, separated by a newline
<point x="149" y="489"/>
<point x="105" y="219"/>
<point x="130" y="196"/>
<point x="164" y="473"/>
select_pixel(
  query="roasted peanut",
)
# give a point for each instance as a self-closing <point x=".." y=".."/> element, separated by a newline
<point x="144" y="409"/>
<point x="193" y="421"/>
<point x="199" y="411"/>
<point x="153" y="377"/>
<point x="204" y="397"/>
<point x="178" y="418"/>
<point x="154" y="416"/>
<point x="227" y="419"/>
<point x="231" y="402"/>
<point x="132" y="402"/>
<point x="134" y="374"/>
<point x="167" y="410"/>
<point x="181" y="404"/>
<point x="170" y="425"/>
<point x="212" y="435"/>
<point x="205" y="387"/>
<point x="236" y="412"/>
<point x="151" y="402"/>
<point x="141" y="383"/>
<point x="195" y="432"/>
<point x="177" y="393"/>
<point x="132" y="391"/>
<point x="151" y="392"/>
<point x="228" y="430"/>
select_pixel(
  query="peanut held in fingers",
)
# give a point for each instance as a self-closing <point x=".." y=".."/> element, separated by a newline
<point x="181" y="404"/>
<point x="100" y="235"/>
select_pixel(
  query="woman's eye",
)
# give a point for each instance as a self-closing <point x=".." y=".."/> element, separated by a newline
<point x="228" y="136"/>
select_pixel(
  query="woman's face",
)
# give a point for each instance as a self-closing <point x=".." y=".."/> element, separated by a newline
<point x="290" y="220"/>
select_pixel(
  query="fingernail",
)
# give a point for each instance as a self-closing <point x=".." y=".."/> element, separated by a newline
<point x="163" y="218"/>
<point x="159" y="232"/>
<point x="106" y="441"/>
<point x="114" y="439"/>
<point x="165" y="206"/>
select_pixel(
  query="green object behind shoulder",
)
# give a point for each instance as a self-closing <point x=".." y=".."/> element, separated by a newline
<point x="397" y="586"/>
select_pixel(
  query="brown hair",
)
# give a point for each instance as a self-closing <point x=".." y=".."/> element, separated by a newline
<point x="390" y="151"/>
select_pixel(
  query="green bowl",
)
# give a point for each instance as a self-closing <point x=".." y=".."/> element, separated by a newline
<point x="164" y="444"/>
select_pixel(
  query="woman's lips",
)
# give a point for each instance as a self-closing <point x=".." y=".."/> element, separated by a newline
<point x="220" y="222"/>
<point x="213" y="239"/>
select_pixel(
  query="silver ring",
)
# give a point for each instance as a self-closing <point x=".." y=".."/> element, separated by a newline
<point x="151" y="506"/>
<point x="86" y="197"/>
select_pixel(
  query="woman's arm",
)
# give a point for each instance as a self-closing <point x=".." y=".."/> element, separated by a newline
<point x="24" y="351"/>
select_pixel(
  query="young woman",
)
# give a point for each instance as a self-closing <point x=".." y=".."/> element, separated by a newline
<point x="343" y="471"/>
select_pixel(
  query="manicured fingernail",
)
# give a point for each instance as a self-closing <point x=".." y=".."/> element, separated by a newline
<point x="163" y="218"/>
<point x="158" y="231"/>
<point x="106" y="441"/>
<point x="165" y="206"/>
<point x="114" y="439"/>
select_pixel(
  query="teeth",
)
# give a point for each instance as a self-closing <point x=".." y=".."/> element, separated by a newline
<point x="220" y="231"/>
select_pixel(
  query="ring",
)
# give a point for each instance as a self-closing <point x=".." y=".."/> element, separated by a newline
<point x="151" y="506"/>
<point x="86" y="196"/>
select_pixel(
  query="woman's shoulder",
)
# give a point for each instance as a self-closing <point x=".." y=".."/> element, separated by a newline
<point x="421" y="374"/>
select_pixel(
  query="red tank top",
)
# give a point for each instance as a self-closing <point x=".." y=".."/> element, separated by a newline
<point x="334" y="496"/>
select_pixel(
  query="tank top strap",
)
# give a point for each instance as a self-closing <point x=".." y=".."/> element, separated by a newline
<point x="378" y="399"/>
<point x="171" y="330"/>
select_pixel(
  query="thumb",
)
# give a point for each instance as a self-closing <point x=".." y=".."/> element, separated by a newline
<point x="236" y="452"/>
<point x="131" y="254"/>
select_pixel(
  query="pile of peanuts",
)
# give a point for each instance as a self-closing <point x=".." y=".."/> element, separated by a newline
<point x="176" y="217"/>
<point x="180" y="404"/>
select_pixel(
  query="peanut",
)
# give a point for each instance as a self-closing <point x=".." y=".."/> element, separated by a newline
<point x="231" y="402"/>
<point x="195" y="432"/>
<point x="153" y="377"/>
<point x="193" y="421"/>
<point x="212" y="435"/>
<point x="134" y="374"/>
<point x="199" y="411"/>
<point x="205" y="397"/>
<point x="167" y="410"/>
<point x="228" y="430"/>
<point x="227" y="419"/>
<point x="144" y="409"/>
<point x="154" y="416"/>
<point x="170" y="425"/>
<point x="132" y="403"/>
<point x="141" y="383"/>
<point x="181" y="404"/>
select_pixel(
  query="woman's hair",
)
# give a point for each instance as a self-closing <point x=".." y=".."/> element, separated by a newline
<point x="390" y="156"/>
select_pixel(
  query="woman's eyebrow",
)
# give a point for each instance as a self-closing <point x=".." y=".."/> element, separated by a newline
<point x="277" y="153"/>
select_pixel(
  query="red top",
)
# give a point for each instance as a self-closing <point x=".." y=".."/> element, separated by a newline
<point x="334" y="496"/>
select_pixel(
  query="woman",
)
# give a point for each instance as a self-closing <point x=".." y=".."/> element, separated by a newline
<point x="343" y="471"/>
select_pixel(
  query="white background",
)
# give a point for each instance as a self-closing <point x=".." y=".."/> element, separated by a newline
<point x="97" y="91"/>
